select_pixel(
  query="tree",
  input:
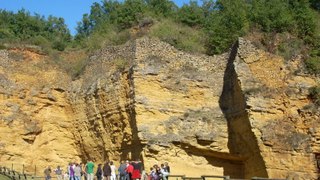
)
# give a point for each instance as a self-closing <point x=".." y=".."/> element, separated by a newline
<point x="96" y="14"/>
<point x="191" y="14"/>
<point x="84" y="27"/>
<point x="271" y="15"/>
<point x="305" y="19"/>
<point x="23" y="27"/>
<point x="225" y="24"/>
<point x="164" y="8"/>
<point x="129" y="13"/>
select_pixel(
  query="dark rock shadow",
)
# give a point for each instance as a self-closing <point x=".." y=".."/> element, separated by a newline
<point x="135" y="147"/>
<point x="241" y="139"/>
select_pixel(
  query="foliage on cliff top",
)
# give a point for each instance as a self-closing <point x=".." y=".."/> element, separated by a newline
<point x="221" y="21"/>
<point x="22" y="27"/>
<point x="210" y="27"/>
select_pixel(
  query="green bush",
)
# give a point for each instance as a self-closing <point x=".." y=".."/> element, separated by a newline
<point x="45" y="45"/>
<point x="58" y="45"/>
<point x="6" y="33"/>
<point x="121" y="63"/>
<point x="314" y="94"/>
<point x="313" y="65"/>
<point x="104" y="35"/>
<point x="290" y="47"/>
<point x="2" y="46"/>
<point x="178" y="35"/>
<point x="39" y="41"/>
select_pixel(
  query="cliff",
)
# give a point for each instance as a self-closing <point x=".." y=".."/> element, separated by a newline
<point x="245" y="113"/>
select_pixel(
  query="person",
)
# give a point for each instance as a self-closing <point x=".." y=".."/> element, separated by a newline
<point x="71" y="171"/>
<point x="89" y="168"/>
<point x="66" y="176"/>
<point x="47" y="173"/>
<point x="144" y="175"/>
<point x="82" y="171"/>
<point x="122" y="171"/>
<point x="155" y="173"/>
<point x="99" y="172"/>
<point x="113" y="171"/>
<point x="58" y="173"/>
<point x="129" y="170"/>
<point x="167" y="167"/>
<point x="77" y="172"/>
<point x="136" y="173"/>
<point x="164" y="172"/>
<point x="151" y="175"/>
<point x="107" y="170"/>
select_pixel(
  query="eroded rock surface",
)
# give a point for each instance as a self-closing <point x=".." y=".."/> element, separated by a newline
<point x="245" y="113"/>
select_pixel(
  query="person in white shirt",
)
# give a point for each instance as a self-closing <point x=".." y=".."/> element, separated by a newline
<point x="77" y="172"/>
<point x="113" y="171"/>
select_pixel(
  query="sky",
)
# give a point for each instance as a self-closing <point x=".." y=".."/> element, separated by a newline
<point x="70" y="10"/>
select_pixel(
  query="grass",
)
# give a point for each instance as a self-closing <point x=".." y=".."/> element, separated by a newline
<point x="105" y="35"/>
<point x="178" y="35"/>
<point x="72" y="61"/>
<point x="2" y="177"/>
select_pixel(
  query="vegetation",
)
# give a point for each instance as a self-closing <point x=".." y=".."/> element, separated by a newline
<point x="219" y="22"/>
<point x="179" y="35"/>
<point x="313" y="65"/>
<point x="288" y="27"/>
<point x="21" y="27"/>
<point x="315" y="95"/>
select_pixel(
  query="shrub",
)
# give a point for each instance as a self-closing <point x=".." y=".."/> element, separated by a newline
<point x="121" y="63"/>
<point x="2" y="46"/>
<point x="313" y="65"/>
<point x="73" y="62"/>
<point x="5" y="33"/>
<point x="58" y="45"/>
<point x="290" y="47"/>
<point x="179" y="35"/>
<point x="314" y="94"/>
<point x="104" y="35"/>
<point x="39" y="41"/>
<point x="78" y="68"/>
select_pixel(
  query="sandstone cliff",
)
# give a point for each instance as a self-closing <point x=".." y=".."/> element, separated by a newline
<point x="243" y="114"/>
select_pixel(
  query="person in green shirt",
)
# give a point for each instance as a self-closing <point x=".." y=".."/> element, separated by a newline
<point x="89" y="168"/>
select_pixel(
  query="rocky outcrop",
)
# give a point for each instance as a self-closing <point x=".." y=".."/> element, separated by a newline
<point x="279" y="111"/>
<point x="243" y="114"/>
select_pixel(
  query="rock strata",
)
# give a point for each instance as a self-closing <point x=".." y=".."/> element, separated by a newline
<point x="244" y="113"/>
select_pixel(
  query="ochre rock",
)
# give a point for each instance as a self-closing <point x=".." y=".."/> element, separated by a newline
<point x="245" y="113"/>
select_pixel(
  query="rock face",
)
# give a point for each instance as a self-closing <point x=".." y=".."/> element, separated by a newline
<point x="242" y="114"/>
<point x="280" y="115"/>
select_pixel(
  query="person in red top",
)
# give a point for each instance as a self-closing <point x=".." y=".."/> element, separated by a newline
<point x="136" y="174"/>
<point x="129" y="170"/>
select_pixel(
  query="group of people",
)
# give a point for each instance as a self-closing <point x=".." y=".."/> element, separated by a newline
<point x="127" y="171"/>
<point x="74" y="171"/>
<point x="159" y="173"/>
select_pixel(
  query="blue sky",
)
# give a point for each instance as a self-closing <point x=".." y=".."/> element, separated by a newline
<point x="70" y="10"/>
